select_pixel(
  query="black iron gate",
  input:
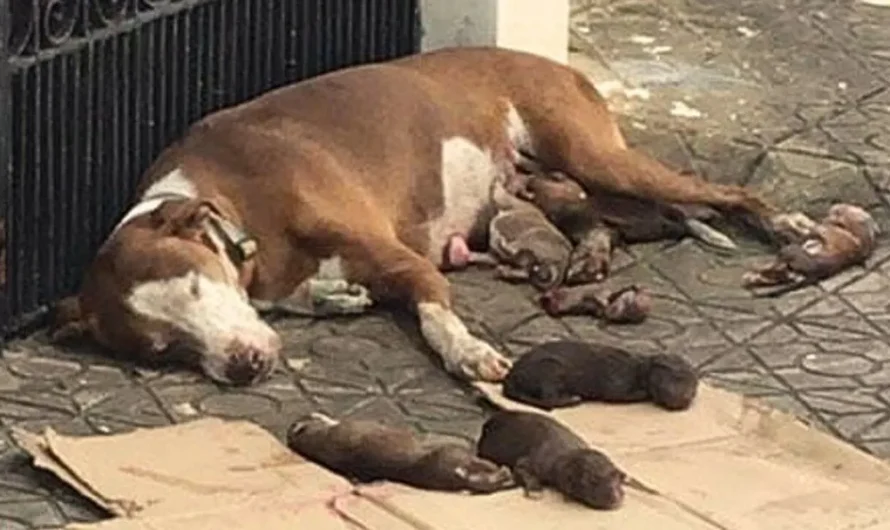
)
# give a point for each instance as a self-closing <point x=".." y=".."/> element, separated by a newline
<point x="91" y="90"/>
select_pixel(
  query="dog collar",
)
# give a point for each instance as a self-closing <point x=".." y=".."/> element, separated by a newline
<point x="239" y="245"/>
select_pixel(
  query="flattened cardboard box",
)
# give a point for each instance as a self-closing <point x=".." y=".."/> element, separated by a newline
<point x="727" y="463"/>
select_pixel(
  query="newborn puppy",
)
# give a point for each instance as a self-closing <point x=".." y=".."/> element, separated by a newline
<point x="565" y="372"/>
<point x="596" y="222"/>
<point x="628" y="305"/>
<point x="521" y="239"/>
<point x="565" y="203"/>
<point x="845" y="238"/>
<point x="542" y="452"/>
<point x="369" y="451"/>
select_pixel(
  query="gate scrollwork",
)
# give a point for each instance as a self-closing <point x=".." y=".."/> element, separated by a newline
<point x="37" y="25"/>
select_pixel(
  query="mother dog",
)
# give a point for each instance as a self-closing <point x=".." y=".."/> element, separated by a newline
<point x="361" y="174"/>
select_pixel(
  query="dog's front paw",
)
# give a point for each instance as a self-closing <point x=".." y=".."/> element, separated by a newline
<point x="477" y="360"/>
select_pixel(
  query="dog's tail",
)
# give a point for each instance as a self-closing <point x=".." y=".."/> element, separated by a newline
<point x="66" y="320"/>
<point x="635" y="174"/>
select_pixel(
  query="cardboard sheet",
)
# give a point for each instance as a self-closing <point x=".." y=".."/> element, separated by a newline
<point x="208" y="473"/>
<point x="728" y="463"/>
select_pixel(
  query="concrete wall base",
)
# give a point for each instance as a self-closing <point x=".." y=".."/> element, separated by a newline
<point x="536" y="26"/>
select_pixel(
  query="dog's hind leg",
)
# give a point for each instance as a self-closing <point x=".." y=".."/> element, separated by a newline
<point x="392" y="270"/>
<point x="581" y="138"/>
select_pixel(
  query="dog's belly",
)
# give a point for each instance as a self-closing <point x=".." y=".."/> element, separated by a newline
<point x="468" y="172"/>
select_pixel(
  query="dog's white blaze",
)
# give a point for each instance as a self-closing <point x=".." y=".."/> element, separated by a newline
<point x="173" y="183"/>
<point x="467" y="174"/>
<point x="213" y="314"/>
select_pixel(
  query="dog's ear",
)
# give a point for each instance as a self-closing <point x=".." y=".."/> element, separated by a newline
<point x="67" y="321"/>
<point x="182" y="218"/>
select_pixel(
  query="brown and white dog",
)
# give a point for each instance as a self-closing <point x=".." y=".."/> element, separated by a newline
<point x="360" y="175"/>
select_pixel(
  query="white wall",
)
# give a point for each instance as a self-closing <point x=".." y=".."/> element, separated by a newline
<point x="537" y="26"/>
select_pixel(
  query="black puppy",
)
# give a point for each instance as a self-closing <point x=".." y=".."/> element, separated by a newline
<point x="565" y="372"/>
<point x="542" y="452"/>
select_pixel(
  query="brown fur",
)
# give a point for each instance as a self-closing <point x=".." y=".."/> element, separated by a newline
<point x="542" y="452"/>
<point x="565" y="372"/>
<point x="369" y="451"/>
<point x="282" y="167"/>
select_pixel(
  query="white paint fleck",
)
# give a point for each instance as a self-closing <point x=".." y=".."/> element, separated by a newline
<point x="746" y="32"/>
<point x="185" y="409"/>
<point x="657" y="50"/>
<point x="641" y="93"/>
<point x="298" y="364"/>
<point x="642" y="39"/>
<point x="682" y="110"/>
<point x="607" y="88"/>
<point x="583" y="28"/>
<point x="842" y="85"/>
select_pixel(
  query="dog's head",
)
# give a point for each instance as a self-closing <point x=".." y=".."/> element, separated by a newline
<point x="168" y="283"/>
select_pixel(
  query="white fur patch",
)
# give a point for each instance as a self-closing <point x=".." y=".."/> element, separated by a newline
<point x="467" y="175"/>
<point x="441" y="328"/>
<point x="518" y="132"/>
<point x="461" y="352"/>
<point x="173" y="183"/>
<point x="214" y="315"/>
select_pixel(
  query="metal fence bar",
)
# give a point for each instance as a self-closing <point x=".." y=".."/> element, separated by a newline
<point x="92" y="90"/>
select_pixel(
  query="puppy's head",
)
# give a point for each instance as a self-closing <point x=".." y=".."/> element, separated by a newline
<point x="673" y="382"/>
<point x="590" y="477"/>
<point x="557" y="195"/>
<point x="308" y="429"/>
<point x="855" y="220"/>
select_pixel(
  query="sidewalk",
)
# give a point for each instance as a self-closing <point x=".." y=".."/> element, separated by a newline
<point x="791" y="99"/>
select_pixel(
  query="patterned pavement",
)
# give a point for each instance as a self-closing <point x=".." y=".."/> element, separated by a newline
<point x="791" y="96"/>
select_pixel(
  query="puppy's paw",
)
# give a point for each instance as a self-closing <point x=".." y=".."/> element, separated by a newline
<point x="793" y="226"/>
<point x="490" y="481"/>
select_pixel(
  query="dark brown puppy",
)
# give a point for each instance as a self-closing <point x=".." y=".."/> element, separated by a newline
<point x="565" y="372"/>
<point x="628" y="305"/>
<point x="542" y="452"/>
<point x="845" y="238"/>
<point x="369" y="451"/>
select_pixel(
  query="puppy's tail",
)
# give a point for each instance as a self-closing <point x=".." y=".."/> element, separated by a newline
<point x="633" y="173"/>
